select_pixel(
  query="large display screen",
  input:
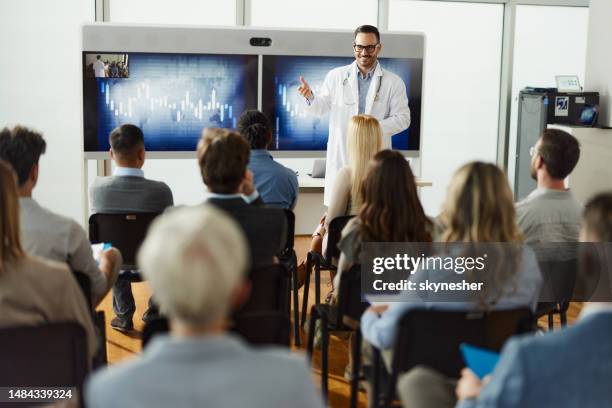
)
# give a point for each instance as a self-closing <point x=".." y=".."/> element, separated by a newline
<point x="296" y="130"/>
<point x="171" y="97"/>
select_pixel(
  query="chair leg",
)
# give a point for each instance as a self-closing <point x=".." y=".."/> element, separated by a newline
<point x="375" y="398"/>
<point x="317" y="282"/>
<point x="551" y="322"/>
<point x="306" y="289"/>
<point x="296" y="307"/>
<point x="324" y="357"/>
<point x="311" y="333"/>
<point x="563" y="317"/>
<point x="356" y="367"/>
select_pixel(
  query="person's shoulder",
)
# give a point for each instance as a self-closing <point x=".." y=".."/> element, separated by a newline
<point x="113" y="381"/>
<point x="339" y="71"/>
<point x="280" y="359"/>
<point x="39" y="264"/>
<point x="391" y="75"/>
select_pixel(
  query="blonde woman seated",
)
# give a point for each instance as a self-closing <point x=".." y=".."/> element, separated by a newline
<point x="364" y="140"/>
<point x="33" y="290"/>
<point x="479" y="209"/>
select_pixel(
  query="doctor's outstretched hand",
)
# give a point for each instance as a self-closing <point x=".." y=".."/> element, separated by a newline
<point x="304" y="89"/>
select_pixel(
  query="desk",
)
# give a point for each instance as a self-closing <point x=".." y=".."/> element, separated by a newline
<point x="310" y="208"/>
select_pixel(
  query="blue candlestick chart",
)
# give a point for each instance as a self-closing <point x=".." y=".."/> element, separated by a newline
<point x="172" y="97"/>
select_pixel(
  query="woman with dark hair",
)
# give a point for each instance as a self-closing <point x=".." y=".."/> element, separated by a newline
<point x="390" y="212"/>
<point x="277" y="184"/>
<point x="33" y="290"/>
<point x="478" y="209"/>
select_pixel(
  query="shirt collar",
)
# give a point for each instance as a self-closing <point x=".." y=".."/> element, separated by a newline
<point x="260" y="153"/>
<point x="370" y="73"/>
<point x="248" y="199"/>
<point x="591" y="309"/>
<point x="205" y="347"/>
<point x="128" y="171"/>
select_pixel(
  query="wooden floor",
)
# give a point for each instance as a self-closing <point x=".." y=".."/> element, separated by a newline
<point x="125" y="346"/>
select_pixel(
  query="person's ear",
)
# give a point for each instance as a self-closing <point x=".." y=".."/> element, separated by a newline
<point x="34" y="174"/>
<point x="112" y="155"/>
<point x="240" y="295"/>
<point x="539" y="162"/>
<point x="141" y="155"/>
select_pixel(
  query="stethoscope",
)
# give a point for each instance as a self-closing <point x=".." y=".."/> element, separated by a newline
<point x="345" y="82"/>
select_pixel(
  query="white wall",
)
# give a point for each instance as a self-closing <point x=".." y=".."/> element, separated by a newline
<point x="461" y="85"/>
<point x="599" y="57"/>
<point x="548" y="41"/>
<point x="41" y="88"/>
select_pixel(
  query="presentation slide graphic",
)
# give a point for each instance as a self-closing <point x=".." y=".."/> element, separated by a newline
<point x="294" y="129"/>
<point x="171" y="97"/>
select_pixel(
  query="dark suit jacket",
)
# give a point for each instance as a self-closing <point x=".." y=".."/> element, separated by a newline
<point x="265" y="228"/>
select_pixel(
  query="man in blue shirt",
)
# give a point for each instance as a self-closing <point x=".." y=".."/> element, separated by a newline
<point x="277" y="185"/>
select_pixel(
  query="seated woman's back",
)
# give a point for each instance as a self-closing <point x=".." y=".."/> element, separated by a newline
<point x="33" y="290"/>
<point x="478" y="209"/>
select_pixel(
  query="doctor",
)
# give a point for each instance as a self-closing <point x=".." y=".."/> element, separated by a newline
<point x="361" y="87"/>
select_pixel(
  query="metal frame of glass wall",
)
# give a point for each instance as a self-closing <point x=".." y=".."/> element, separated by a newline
<point x="243" y="18"/>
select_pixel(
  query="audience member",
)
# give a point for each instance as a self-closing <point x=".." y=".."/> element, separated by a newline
<point x="277" y="184"/>
<point x="569" y="368"/>
<point x="478" y="208"/>
<point x="364" y="140"/>
<point x="550" y="213"/>
<point x="124" y="192"/>
<point x="197" y="278"/>
<point x="223" y="157"/>
<point x="390" y="212"/>
<point x="33" y="290"/>
<point x="44" y="233"/>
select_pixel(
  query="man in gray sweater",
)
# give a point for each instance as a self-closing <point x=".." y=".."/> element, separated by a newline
<point x="551" y="213"/>
<point x="127" y="190"/>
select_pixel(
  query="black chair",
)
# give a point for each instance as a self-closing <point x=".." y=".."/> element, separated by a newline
<point x="98" y="318"/>
<point x="49" y="355"/>
<point x="323" y="261"/>
<point x="158" y="325"/>
<point x="263" y="328"/>
<point x="343" y="317"/>
<point x="288" y="258"/>
<point x="263" y="319"/>
<point x="559" y="280"/>
<point x="432" y="338"/>
<point x="125" y="232"/>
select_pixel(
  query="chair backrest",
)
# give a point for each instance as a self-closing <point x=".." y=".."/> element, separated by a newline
<point x="49" y="355"/>
<point x="263" y="328"/>
<point x="349" y="294"/>
<point x="333" y="236"/>
<point x="159" y="325"/>
<point x="269" y="288"/>
<point x="559" y="280"/>
<point x="290" y="232"/>
<point x="85" y="285"/>
<point x="125" y="232"/>
<point x="432" y="337"/>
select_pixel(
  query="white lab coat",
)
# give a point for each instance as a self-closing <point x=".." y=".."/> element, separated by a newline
<point x="339" y="97"/>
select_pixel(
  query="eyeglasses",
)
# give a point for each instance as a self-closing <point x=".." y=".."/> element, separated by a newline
<point x="368" y="48"/>
<point x="532" y="151"/>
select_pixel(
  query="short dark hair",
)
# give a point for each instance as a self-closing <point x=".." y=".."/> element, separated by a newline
<point x="598" y="216"/>
<point x="126" y="140"/>
<point x="223" y="157"/>
<point x="22" y="148"/>
<point x="255" y="127"/>
<point x="368" y="29"/>
<point x="98" y="56"/>
<point x="560" y="152"/>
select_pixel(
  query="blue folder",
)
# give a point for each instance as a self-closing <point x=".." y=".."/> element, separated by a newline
<point x="480" y="361"/>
